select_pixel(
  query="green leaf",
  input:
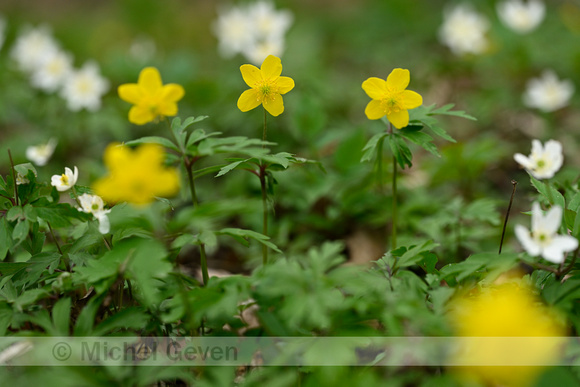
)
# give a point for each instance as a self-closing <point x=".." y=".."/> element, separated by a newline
<point x="488" y="265"/>
<point x="87" y="317"/>
<point x="400" y="150"/>
<point x="230" y="167"/>
<point x="483" y="210"/>
<point x="551" y="194"/>
<point x="242" y="236"/>
<point x="6" y="241"/>
<point x="413" y="255"/>
<point x="61" y="316"/>
<point x="197" y="136"/>
<point x="11" y="268"/>
<point x="132" y="318"/>
<point x="446" y="109"/>
<point x="154" y="140"/>
<point x="20" y="231"/>
<point x="421" y="139"/>
<point x="369" y="149"/>
<point x="60" y="215"/>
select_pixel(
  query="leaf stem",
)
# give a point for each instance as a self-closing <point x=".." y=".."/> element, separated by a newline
<point x="507" y="214"/>
<point x="394" y="189"/>
<point x="380" y="165"/>
<point x="262" y="177"/>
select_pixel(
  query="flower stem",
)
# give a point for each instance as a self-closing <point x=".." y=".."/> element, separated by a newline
<point x="394" y="227"/>
<point x="507" y="215"/>
<point x="189" y="170"/>
<point x="380" y="165"/>
<point x="264" y="212"/>
<point x="202" y="255"/>
<point x="13" y="178"/>
<point x="262" y="177"/>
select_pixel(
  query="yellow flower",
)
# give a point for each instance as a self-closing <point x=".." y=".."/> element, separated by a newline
<point x="390" y="98"/>
<point x="267" y="86"/>
<point x="136" y="176"/>
<point x="151" y="98"/>
<point x="493" y="317"/>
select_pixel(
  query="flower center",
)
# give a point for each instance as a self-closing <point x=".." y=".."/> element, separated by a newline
<point x="64" y="179"/>
<point x="542" y="238"/>
<point x="95" y="207"/>
<point x="267" y="90"/>
<point x="392" y="104"/>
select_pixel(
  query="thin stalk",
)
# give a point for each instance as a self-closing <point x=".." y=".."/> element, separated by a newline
<point x="507" y="215"/>
<point x="380" y="165"/>
<point x="262" y="177"/>
<point x="64" y="257"/>
<point x="13" y="178"/>
<point x="264" y="213"/>
<point x="202" y="255"/>
<point x="189" y="170"/>
<point x="394" y="227"/>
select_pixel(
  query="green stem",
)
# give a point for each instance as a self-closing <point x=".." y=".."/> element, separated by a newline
<point x="507" y="215"/>
<point x="380" y="165"/>
<point x="262" y="177"/>
<point x="13" y="178"/>
<point x="394" y="227"/>
<point x="202" y="255"/>
<point x="189" y="170"/>
<point x="203" y="258"/>
<point x="264" y="212"/>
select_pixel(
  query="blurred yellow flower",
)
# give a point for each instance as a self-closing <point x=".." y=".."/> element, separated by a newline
<point x="390" y="98"/>
<point x="151" y="98"/>
<point x="267" y="86"/>
<point x="494" y="319"/>
<point x="136" y="176"/>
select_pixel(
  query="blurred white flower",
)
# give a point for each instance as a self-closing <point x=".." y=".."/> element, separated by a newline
<point x="32" y="46"/>
<point x="547" y="93"/>
<point x="521" y="16"/>
<point x="543" y="239"/>
<point x="257" y="52"/>
<point x="93" y="204"/>
<point x="544" y="161"/>
<point x="269" y="23"/>
<point x="40" y="154"/>
<point x="52" y="70"/>
<point x="255" y="30"/>
<point x="234" y="31"/>
<point x="142" y="49"/>
<point x="21" y="179"/>
<point x="464" y="30"/>
<point x="84" y="88"/>
<point x="65" y="181"/>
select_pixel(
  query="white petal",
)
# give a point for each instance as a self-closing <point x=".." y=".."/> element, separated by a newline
<point x="104" y="225"/>
<point x="75" y="176"/>
<point x="552" y="221"/>
<point x="537" y="216"/>
<point x="526" y="241"/>
<point x="537" y="147"/>
<point x="523" y="161"/>
<point x="554" y="150"/>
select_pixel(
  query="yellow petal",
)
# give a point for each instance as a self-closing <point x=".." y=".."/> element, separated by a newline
<point x="411" y="99"/>
<point x="375" y="88"/>
<point x="172" y="92"/>
<point x="149" y="154"/>
<point x="150" y="80"/>
<point x="285" y="84"/>
<point x="251" y="74"/>
<point x="374" y="110"/>
<point x="274" y="106"/>
<point x="167" y="109"/>
<point x="398" y="79"/>
<point x="140" y="115"/>
<point x="248" y="100"/>
<point x="116" y="155"/>
<point x="399" y="119"/>
<point x="271" y="67"/>
<point x="130" y="92"/>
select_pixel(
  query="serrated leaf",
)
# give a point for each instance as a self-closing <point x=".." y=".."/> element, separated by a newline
<point x="422" y="139"/>
<point x="154" y="140"/>
<point x="242" y="235"/>
<point x="446" y="110"/>
<point x="413" y="255"/>
<point x="400" y="150"/>
<point x="230" y="167"/>
<point x="61" y="316"/>
<point x="370" y="148"/>
<point x="551" y="194"/>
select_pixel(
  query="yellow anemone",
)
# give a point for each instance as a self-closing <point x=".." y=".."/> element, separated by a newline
<point x="151" y="99"/>
<point x="267" y="86"/>
<point x="390" y="98"/>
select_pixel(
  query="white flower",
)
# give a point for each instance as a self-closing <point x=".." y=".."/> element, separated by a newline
<point x="520" y="16"/>
<point x="32" y="46"/>
<point x="544" y="161"/>
<point x="93" y="204"/>
<point x="543" y="239"/>
<point x="268" y="22"/>
<point x="51" y="72"/>
<point x="65" y="181"/>
<point x="548" y="93"/>
<point x="256" y="31"/>
<point x="40" y="154"/>
<point x="257" y="52"/>
<point x="84" y="88"/>
<point x="234" y="31"/>
<point x="463" y="30"/>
